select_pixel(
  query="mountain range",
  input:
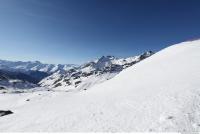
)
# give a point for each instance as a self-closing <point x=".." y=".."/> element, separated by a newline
<point x="63" y="76"/>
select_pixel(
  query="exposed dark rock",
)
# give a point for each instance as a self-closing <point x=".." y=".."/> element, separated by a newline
<point x="66" y="80"/>
<point x="77" y="82"/>
<point x="18" y="92"/>
<point x="57" y="81"/>
<point x="3" y="113"/>
<point x="68" y="83"/>
<point x="170" y="117"/>
<point x="77" y="74"/>
<point x="86" y="74"/>
<point x="145" y="55"/>
<point x="58" y="84"/>
<point x="76" y="77"/>
<point x="71" y="70"/>
<point x="1" y="88"/>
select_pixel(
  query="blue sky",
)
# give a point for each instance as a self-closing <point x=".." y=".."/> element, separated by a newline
<point x="76" y="31"/>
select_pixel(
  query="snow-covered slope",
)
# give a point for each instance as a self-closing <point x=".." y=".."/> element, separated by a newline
<point x="91" y="73"/>
<point x="33" y="66"/>
<point x="161" y="93"/>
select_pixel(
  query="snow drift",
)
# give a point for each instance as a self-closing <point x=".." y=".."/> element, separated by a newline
<point x="161" y="93"/>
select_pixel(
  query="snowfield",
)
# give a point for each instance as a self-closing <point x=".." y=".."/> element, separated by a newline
<point x="160" y="93"/>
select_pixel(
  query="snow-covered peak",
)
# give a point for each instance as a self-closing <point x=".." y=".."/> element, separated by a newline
<point x="104" y="61"/>
<point x="91" y="73"/>
<point x="34" y="66"/>
<point x="106" y="58"/>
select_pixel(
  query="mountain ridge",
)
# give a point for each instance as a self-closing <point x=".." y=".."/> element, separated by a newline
<point x="33" y="66"/>
<point x="50" y="75"/>
<point x="91" y="73"/>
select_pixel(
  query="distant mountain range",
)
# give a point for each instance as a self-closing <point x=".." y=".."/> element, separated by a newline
<point x="20" y="75"/>
<point x="91" y="73"/>
<point x="33" y="66"/>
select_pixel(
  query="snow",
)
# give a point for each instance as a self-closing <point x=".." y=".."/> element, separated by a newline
<point x="160" y="93"/>
<point x="90" y="73"/>
<point x="15" y="84"/>
<point x="34" y="66"/>
<point x="86" y="83"/>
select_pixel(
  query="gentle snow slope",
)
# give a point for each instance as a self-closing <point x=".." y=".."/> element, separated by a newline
<point x="161" y="93"/>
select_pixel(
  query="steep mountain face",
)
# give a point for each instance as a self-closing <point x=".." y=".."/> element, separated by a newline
<point x="91" y="73"/>
<point x="33" y="66"/>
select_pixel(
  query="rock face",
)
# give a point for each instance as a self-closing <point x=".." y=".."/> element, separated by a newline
<point x="91" y="73"/>
<point x="3" y="113"/>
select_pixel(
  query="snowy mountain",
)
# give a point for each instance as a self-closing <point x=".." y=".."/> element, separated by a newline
<point x="29" y="74"/>
<point x="91" y="73"/>
<point x="26" y="74"/>
<point x="159" y="94"/>
<point x="33" y="66"/>
<point x="20" y="80"/>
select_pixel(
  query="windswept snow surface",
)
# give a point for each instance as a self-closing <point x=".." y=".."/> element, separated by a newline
<point x="161" y="93"/>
